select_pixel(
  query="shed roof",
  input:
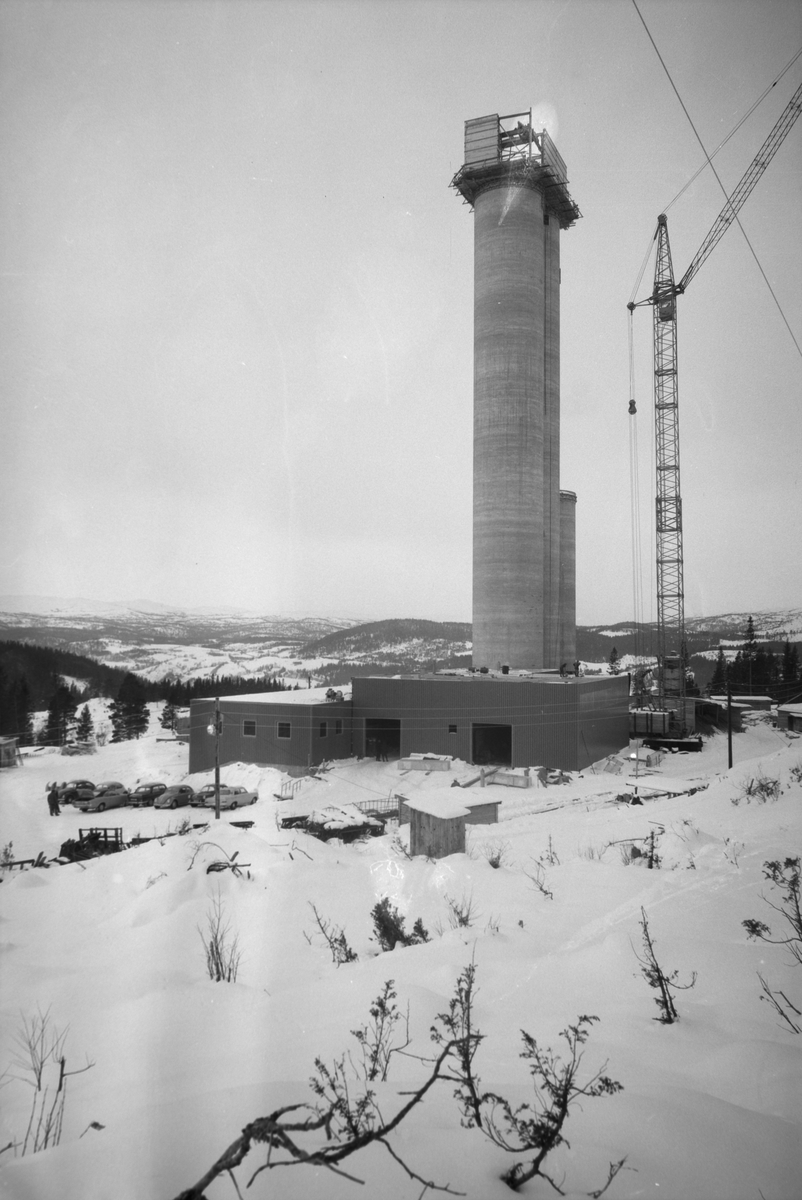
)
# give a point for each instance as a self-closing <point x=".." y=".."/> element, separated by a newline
<point x="437" y="805"/>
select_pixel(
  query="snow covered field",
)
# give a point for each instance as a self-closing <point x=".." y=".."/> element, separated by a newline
<point x="711" y="1107"/>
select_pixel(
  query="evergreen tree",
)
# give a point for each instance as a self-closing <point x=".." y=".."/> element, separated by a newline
<point x="615" y="665"/>
<point x="748" y="653"/>
<point x="790" y="663"/>
<point x="85" y="727"/>
<point x="718" y="684"/>
<point x="60" y="716"/>
<point x="129" y="712"/>
<point x="168" y="717"/>
<point x="23" y="715"/>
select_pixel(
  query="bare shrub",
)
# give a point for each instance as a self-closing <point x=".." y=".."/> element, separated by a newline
<point x="592" y="853"/>
<point x="656" y="977"/>
<point x="537" y="876"/>
<point x="760" y="788"/>
<point x="461" y="913"/>
<point x="795" y="774"/>
<point x="377" y="1039"/>
<point x="343" y="1119"/>
<point x="398" y="846"/>
<point x="549" y="856"/>
<point x="784" y="877"/>
<point x="222" y="952"/>
<point x="733" y="851"/>
<point x="7" y="855"/>
<point x="42" y="1065"/>
<point x="389" y="927"/>
<point x="535" y="1126"/>
<point x="335" y="939"/>
<point x="345" y="1116"/>
<point x="496" y="853"/>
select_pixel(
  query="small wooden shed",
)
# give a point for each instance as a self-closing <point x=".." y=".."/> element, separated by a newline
<point x="437" y="826"/>
<point x="9" y="752"/>
<point x="482" y="807"/>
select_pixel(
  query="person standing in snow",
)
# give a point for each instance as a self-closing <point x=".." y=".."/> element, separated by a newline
<point x="52" y="801"/>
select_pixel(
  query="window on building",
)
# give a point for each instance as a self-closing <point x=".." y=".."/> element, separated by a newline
<point x="452" y="729"/>
<point x="249" y="729"/>
<point x="323" y="728"/>
<point x="338" y="725"/>
<point x="283" y="729"/>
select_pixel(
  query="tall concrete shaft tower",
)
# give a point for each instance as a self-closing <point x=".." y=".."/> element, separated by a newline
<point x="516" y="183"/>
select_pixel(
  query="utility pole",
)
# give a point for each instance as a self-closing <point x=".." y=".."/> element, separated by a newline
<point x="729" y="726"/>
<point x="218" y="729"/>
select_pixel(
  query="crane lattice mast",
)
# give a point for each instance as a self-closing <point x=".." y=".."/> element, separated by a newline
<point x="671" y="649"/>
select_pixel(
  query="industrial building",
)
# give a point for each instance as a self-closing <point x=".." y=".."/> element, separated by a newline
<point x="522" y="704"/>
<point x="516" y="720"/>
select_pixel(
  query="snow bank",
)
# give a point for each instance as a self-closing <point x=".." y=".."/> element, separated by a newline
<point x="111" y="949"/>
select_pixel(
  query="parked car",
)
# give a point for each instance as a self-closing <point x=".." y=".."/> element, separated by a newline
<point x="146" y="793"/>
<point x="175" y="797"/>
<point x="110" y="794"/>
<point x="69" y="792"/>
<point x="230" y="797"/>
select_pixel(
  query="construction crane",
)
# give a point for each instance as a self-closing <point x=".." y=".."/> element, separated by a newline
<point x="671" y="649"/>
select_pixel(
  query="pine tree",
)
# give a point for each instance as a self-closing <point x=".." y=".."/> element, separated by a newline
<point x="129" y="712"/>
<point x="168" y="717"/>
<point x="60" y="716"/>
<point x="718" y="684"/>
<point x="748" y="654"/>
<point x="790" y="663"/>
<point x="615" y="665"/>
<point x="85" y="727"/>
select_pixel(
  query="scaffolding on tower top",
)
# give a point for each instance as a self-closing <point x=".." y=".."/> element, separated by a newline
<point x="507" y="150"/>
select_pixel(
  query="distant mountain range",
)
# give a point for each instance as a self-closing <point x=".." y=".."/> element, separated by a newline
<point x="158" y="642"/>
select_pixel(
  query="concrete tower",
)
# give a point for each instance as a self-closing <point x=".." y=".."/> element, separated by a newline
<point x="516" y="183"/>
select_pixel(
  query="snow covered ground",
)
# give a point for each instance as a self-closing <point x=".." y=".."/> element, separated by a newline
<point x="711" y="1107"/>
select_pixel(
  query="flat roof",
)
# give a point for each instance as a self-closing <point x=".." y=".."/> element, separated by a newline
<point x="496" y="676"/>
<point x="309" y="696"/>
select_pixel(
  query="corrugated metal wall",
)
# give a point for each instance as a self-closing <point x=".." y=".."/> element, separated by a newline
<point x="304" y="745"/>
<point x="603" y="726"/>
<point x="548" y="716"/>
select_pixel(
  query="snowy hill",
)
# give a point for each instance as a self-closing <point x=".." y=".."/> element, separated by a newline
<point x="158" y="643"/>
<point x="180" y="1064"/>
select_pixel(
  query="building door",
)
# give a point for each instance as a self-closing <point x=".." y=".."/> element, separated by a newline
<point x="492" y="745"/>
<point x="382" y="738"/>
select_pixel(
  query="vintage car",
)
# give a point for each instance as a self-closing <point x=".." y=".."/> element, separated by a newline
<point x="230" y="797"/>
<point x="146" y="793"/>
<point x="110" y="794"/>
<point x="175" y="797"/>
<point x="68" y="793"/>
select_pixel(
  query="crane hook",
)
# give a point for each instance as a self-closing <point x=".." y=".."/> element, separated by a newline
<point x="632" y="408"/>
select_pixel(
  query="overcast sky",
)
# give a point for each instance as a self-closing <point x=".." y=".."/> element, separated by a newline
<point x="237" y="296"/>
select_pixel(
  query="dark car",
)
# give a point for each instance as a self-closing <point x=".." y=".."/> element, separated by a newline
<point x="175" y="797"/>
<point x="146" y="793"/>
<point x="69" y="792"/>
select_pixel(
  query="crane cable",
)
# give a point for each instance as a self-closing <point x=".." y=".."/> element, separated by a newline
<point x="709" y="163"/>
<point x="634" y="489"/>
<point x="698" y="172"/>
<point x="735" y="129"/>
